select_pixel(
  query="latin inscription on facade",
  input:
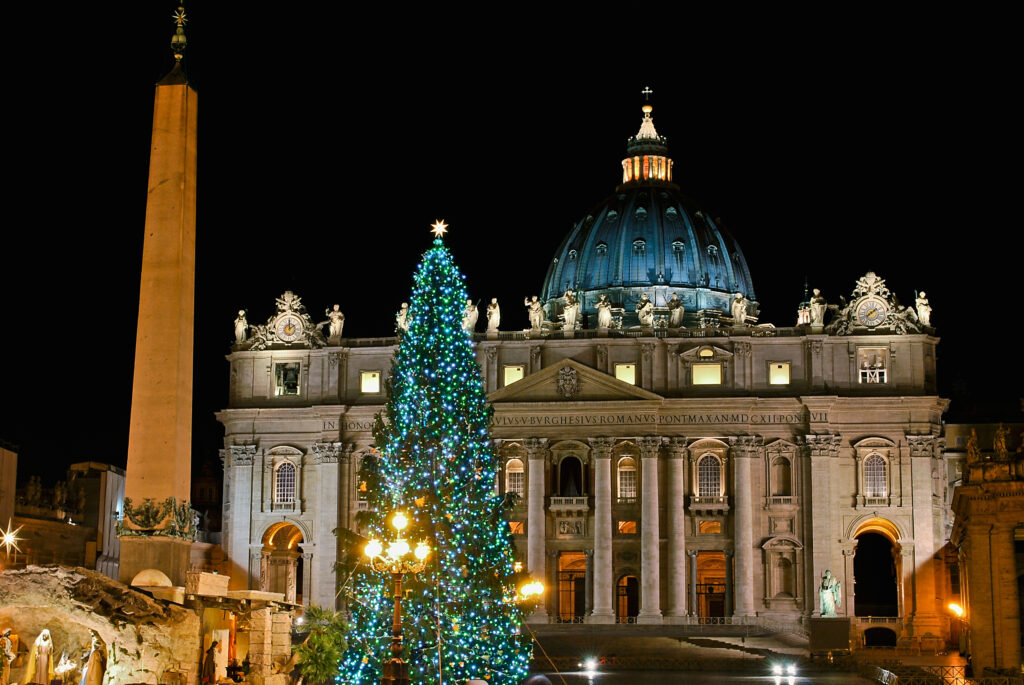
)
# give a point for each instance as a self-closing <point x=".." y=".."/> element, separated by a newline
<point x="659" y="419"/>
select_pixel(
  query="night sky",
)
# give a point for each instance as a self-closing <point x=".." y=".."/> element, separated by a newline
<point x="329" y="142"/>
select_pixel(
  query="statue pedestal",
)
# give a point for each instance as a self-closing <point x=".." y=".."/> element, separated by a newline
<point x="568" y="332"/>
<point x="492" y="335"/>
<point x="170" y="555"/>
<point x="334" y="341"/>
<point x="830" y="634"/>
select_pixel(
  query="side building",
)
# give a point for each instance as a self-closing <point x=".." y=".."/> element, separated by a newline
<point x="675" y="460"/>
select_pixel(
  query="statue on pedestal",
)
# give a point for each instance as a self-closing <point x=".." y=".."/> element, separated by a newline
<point x="493" y="316"/>
<point x="469" y="316"/>
<point x="571" y="311"/>
<point x="739" y="310"/>
<point x="675" y="311"/>
<point x="336" y="320"/>
<point x="830" y="593"/>
<point x="604" y="312"/>
<point x="818" y="306"/>
<point x="535" y="310"/>
<point x="241" y="327"/>
<point x="924" y="310"/>
<point x="402" y="319"/>
<point x="645" y="311"/>
<point x="973" y="451"/>
<point x="999" y="443"/>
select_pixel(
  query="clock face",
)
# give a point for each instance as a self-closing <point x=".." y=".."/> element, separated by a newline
<point x="871" y="311"/>
<point x="288" y="328"/>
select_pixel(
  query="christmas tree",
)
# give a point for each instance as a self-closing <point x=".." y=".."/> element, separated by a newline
<point x="435" y="463"/>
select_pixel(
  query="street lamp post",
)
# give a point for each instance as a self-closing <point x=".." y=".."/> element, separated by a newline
<point x="397" y="561"/>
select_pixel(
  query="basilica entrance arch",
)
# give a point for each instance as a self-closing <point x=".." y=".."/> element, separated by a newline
<point x="281" y="562"/>
<point x="876" y="569"/>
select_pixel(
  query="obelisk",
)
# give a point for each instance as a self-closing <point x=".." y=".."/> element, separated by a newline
<point x="156" y="525"/>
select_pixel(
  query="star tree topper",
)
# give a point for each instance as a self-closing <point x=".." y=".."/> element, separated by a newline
<point x="439" y="228"/>
<point x="9" y="538"/>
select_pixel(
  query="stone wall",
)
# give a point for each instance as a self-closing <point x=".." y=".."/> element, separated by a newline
<point x="145" y="638"/>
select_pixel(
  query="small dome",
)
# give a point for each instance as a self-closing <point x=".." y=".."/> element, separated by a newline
<point x="151" y="577"/>
<point x="648" y="238"/>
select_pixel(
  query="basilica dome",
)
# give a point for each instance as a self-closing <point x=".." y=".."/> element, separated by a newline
<point x="648" y="238"/>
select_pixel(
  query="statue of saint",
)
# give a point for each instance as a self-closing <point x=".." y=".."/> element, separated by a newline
<point x="818" y="306"/>
<point x="830" y="593"/>
<point x="645" y="311"/>
<point x="469" y="316"/>
<point x="493" y="316"/>
<point x="739" y="310"/>
<point x="535" y="310"/>
<point x="924" y="310"/>
<point x="336" y="320"/>
<point x="402" y="319"/>
<point x="571" y="310"/>
<point x="604" y="312"/>
<point x="241" y="327"/>
<point x="973" y="451"/>
<point x="675" y="311"/>
<point x="999" y="443"/>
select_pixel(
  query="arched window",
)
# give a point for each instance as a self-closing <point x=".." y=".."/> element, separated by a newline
<point x="709" y="476"/>
<point x="570" y="477"/>
<point x="515" y="478"/>
<point x="875" y="484"/>
<point x="627" y="479"/>
<point x="284" y="483"/>
<point x="782" y="479"/>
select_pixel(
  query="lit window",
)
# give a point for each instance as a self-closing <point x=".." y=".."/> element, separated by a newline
<point x="706" y="353"/>
<point x="709" y="527"/>
<point x="284" y="483"/>
<point x="871" y="362"/>
<point x="286" y="378"/>
<point x="709" y="476"/>
<point x="626" y="373"/>
<point x="627" y="479"/>
<point x="874" y="477"/>
<point x="515" y="477"/>
<point x="515" y="527"/>
<point x="627" y="527"/>
<point x="513" y="374"/>
<point x="369" y="381"/>
<point x="707" y="374"/>
<point x="778" y="373"/>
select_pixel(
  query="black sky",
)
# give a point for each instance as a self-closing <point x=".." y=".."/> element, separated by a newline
<point x="328" y="143"/>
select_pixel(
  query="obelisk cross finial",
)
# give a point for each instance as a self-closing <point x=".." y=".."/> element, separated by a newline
<point x="647" y="92"/>
<point x="178" y="41"/>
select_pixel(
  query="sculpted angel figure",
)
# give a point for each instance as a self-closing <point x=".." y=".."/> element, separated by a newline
<point x="604" y="312"/>
<point x="241" y="327"/>
<point x="571" y="311"/>
<point x="469" y="316"/>
<point x="493" y="315"/>
<point x="739" y="310"/>
<point x="336" y="320"/>
<point x="645" y="311"/>
<point x="924" y="310"/>
<point x="830" y="593"/>
<point x="675" y="311"/>
<point x="535" y="310"/>
<point x="402" y="319"/>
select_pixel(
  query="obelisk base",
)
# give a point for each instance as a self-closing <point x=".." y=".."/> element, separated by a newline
<point x="169" y="555"/>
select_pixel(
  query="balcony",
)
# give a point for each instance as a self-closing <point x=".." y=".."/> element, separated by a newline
<point x="568" y="504"/>
<point x="779" y="501"/>
<point x="709" y="505"/>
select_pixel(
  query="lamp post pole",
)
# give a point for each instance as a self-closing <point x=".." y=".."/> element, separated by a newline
<point x="396" y="670"/>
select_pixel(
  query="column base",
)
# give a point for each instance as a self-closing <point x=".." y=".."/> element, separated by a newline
<point x="674" y="619"/>
<point x="601" y="619"/>
<point x="169" y="555"/>
<point x="649" y="619"/>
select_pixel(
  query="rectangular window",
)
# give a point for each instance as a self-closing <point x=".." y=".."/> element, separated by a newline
<point x="872" y="365"/>
<point x="369" y="382"/>
<point x="707" y="374"/>
<point x="513" y="374"/>
<point x="517" y="482"/>
<point x="627" y="484"/>
<point x="627" y="527"/>
<point x="778" y="373"/>
<point x="626" y="373"/>
<point x="286" y="378"/>
<point x="515" y="527"/>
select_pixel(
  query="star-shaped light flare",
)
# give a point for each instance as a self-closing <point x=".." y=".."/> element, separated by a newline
<point x="439" y="228"/>
<point x="9" y="538"/>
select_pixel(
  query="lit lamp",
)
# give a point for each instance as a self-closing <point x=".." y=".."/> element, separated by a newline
<point x="530" y="590"/>
<point x="959" y="613"/>
<point x="397" y="561"/>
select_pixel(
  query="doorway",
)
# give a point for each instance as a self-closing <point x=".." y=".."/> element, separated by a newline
<point x="572" y="587"/>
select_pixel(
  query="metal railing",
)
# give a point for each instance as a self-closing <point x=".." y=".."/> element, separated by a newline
<point x="569" y="502"/>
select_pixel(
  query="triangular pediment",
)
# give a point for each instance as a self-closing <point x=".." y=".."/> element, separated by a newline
<point x="570" y="381"/>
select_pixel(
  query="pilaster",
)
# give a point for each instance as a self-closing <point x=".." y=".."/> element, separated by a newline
<point x="650" y="534"/>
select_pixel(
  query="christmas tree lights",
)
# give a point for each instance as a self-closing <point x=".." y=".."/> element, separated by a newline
<point x="436" y="463"/>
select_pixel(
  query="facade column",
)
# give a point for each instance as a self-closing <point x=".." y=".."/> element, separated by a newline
<point x="264" y="578"/>
<point x="603" y="611"/>
<point x="536" y="450"/>
<point x="307" y="580"/>
<point x="730" y="581"/>
<point x="744" y="448"/>
<point x="650" y="534"/>
<point x="692" y="554"/>
<point x="817" y="505"/>
<point x="589" y="604"/>
<point x="676" y="507"/>
<point x="291" y="575"/>
<point x="554" y="591"/>
<point x="926" y="620"/>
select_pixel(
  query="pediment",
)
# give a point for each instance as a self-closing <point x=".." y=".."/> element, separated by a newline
<point x="718" y="354"/>
<point x="783" y="541"/>
<point x="780" y="445"/>
<point x="874" y="441"/>
<point x="570" y="381"/>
